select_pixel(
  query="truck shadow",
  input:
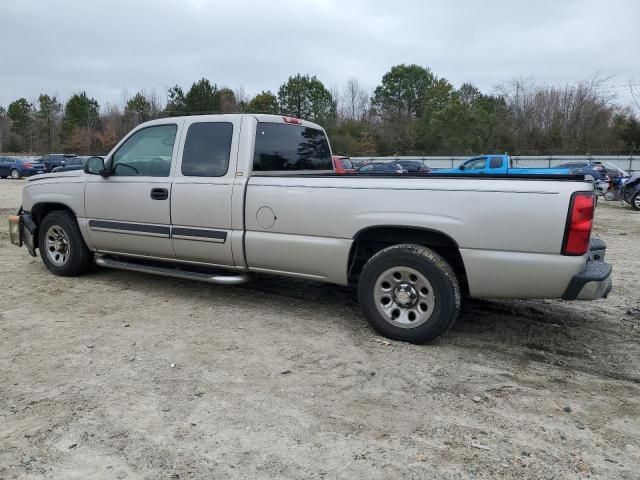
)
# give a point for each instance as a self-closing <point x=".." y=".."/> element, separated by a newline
<point x="549" y="332"/>
<point x="553" y="332"/>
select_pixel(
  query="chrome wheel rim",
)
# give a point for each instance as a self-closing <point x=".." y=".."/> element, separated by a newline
<point x="404" y="297"/>
<point x="15" y="174"/>
<point x="636" y="201"/>
<point x="57" y="245"/>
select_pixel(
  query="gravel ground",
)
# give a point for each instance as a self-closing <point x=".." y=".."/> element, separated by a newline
<point x="123" y="375"/>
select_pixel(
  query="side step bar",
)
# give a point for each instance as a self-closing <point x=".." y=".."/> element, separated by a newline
<point x="172" y="272"/>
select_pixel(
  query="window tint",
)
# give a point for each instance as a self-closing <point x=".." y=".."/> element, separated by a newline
<point x="147" y="152"/>
<point x="281" y="147"/>
<point x="495" y="162"/>
<point x="207" y="149"/>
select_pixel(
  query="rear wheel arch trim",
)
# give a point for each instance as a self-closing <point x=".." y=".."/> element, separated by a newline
<point x="356" y="237"/>
<point x="448" y="241"/>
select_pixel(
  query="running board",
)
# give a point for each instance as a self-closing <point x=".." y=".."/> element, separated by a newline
<point x="172" y="272"/>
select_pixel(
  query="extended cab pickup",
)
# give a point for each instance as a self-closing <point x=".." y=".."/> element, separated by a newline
<point x="218" y="197"/>
<point x="499" y="165"/>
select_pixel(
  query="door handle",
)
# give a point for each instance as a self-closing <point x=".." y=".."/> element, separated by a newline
<point x="159" y="194"/>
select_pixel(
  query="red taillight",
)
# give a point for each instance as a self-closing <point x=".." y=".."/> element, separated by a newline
<point x="579" y="223"/>
<point x="26" y="165"/>
<point x="292" y="120"/>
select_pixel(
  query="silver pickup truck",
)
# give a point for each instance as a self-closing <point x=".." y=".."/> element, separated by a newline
<point x="218" y="197"/>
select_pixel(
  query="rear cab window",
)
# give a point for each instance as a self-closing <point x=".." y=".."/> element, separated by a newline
<point x="286" y="148"/>
<point x="495" y="162"/>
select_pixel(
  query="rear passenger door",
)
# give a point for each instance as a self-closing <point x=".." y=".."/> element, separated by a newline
<point x="201" y="191"/>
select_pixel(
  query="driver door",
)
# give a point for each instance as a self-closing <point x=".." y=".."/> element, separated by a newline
<point x="128" y="212"/>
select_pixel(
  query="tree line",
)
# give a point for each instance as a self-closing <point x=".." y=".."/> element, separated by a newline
<point x="411" y="111"/>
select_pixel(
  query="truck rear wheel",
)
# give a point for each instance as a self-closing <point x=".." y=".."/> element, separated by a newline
<point x="61" y="245"/>
<point x="409" y="293"/>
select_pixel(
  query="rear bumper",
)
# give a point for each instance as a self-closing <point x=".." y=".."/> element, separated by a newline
<point x="594" y="281"/>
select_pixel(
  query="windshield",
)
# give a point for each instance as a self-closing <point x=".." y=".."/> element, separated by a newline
<point x="612" y="167"/>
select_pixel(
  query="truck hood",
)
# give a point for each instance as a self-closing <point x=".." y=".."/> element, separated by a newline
<point x="67" y="174"/>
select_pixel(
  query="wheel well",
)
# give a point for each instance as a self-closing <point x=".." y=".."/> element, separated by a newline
<point x="41" y="210"/>
<point x="369" y="241"/>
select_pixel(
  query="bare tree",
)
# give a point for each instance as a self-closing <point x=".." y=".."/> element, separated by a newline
<point x="574" y="117"/>
<point x="242" y="99"/>
<point x="634" y="88"/>
<point x="155" y="100"/>
<point x="355" y="100"/>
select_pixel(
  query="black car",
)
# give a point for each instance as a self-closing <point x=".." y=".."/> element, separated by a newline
<point x="631" y="191"/>
<point x="413" y="166"/>
<point x="73" y="163"/>
<point x="382" y="167"/>
<point x="54" y="160"/>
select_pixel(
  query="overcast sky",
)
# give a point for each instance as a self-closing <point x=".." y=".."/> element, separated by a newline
<point x="64" y="46"/>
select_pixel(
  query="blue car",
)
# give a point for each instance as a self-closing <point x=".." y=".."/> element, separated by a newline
<point x="18" y="167"/>
<point x="499" y="165"/>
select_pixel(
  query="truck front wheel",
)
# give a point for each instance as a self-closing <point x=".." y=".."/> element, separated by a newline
<point x="62" y="247"/>
<point x="409" y="293"/>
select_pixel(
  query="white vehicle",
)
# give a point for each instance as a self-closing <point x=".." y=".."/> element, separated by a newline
<point x="218" y="197"/>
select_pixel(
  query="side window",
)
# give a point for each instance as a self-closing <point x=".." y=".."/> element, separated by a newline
<point x="495" y="162"/>
<point x="207" y="149"/>
<point x="476" y="164"/>
<point x="284" y="147"/>
<point x="146" y="153"/>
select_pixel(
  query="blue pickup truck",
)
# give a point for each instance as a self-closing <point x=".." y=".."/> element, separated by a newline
<point x="499" y="164"/>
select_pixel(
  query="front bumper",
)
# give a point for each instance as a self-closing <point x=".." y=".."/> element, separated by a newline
<point x="23" y="231"/>
<point x="594" y="281"/>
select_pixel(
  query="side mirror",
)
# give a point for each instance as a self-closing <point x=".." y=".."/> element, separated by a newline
<point x="94" y="166"/>
<point x="461" y="167"/>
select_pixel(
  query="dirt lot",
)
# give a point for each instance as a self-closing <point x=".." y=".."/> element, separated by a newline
<point x="122" y="375"/>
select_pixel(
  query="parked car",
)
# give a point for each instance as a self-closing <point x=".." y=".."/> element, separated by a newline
<point x="411" y="246"/>
<point x="54" y="160"/>
<point x="359" y="162"/>
<point x="586" y="167"/>
<point x="498" y="165"/>
<point x="413" y="166"/>
<point x="381" y="168"/>
<point x="72" y="163"/>
<point x="342" y="164"/>
<point x="631" y="191"/>
<point x="18" y="167"/>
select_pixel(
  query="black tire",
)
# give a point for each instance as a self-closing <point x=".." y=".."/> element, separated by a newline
<point x="445" y="293"/>
<point x="635" y="201"/>
<point x="15" y="174"/>
<point x="79" y="258"/>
